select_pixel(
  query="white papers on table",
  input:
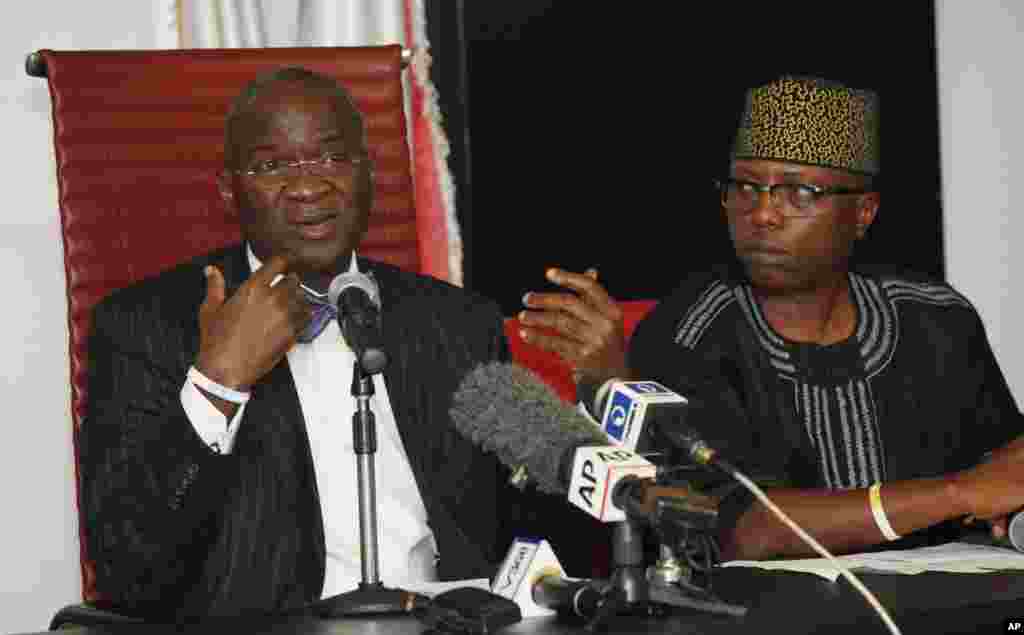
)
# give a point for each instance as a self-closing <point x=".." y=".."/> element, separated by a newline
<point x="954" y="557"/>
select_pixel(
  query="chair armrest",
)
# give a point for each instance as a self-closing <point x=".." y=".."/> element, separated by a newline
<point x="75" y="615"/>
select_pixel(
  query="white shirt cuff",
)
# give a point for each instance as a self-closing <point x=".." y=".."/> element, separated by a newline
<point x="210" y="423"/>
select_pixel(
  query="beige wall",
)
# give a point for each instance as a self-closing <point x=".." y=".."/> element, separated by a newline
<point x="981" y="101"/>
<point x="38" y="539"/>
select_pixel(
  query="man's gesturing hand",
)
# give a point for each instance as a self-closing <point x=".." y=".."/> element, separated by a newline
<point x="585" y="328"/>
<point x="994" y="489"/>
<point x="242" y="337"/>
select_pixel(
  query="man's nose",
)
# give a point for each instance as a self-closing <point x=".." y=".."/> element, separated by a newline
<point x="766" y="210"/>
<point x="306" y="186"/>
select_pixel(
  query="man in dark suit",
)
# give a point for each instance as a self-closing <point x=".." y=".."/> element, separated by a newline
<point x="215" y="477"/>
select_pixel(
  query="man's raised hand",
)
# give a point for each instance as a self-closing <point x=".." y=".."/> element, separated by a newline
<point x="583" y="325"/>
<point x="242" y="337"/>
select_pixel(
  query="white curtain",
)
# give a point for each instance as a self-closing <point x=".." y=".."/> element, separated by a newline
<point x="271" y="23"/>
<point x="260" y="23"/>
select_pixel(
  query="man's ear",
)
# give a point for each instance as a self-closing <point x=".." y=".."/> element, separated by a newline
<point x="227" y="191"/>
<point x="867" y="210"/>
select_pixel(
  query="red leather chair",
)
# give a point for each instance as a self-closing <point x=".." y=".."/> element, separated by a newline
<point x="138" y="139"/>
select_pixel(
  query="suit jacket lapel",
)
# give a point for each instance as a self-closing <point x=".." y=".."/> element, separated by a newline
<point x="400" y="371"/>
<point x="275" y="410"/>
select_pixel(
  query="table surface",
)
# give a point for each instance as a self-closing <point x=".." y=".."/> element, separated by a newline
<point x="776" y="602"/>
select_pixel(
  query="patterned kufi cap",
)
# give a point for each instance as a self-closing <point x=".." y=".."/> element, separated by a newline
<point x="811" y="121"/>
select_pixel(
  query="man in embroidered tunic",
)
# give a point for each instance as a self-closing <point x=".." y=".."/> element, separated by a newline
<point x="873" y="404"/>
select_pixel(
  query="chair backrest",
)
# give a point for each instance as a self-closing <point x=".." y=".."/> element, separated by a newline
<point x="138" y="141"/>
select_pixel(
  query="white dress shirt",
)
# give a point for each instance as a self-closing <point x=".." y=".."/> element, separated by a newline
<point x="322" y="370"/>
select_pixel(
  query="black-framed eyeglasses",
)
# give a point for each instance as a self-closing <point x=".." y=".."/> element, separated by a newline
<point x="331" y="164"/>
<point x="792" y="199"/>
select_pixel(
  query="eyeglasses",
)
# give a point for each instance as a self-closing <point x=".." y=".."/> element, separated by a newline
<point x="331" y="164"/>
<point x="792" y="199"/>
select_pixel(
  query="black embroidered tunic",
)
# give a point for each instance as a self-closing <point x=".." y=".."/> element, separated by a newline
<point x="914" y="392"/>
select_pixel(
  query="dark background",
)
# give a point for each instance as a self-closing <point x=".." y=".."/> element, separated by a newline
<point x="586" y="134"/>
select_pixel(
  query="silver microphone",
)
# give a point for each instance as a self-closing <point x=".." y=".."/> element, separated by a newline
<point x="1015" y="531"/>
<point x="357" y="297"/>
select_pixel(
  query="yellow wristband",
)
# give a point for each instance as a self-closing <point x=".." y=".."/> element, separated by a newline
<point x="875" y="498"/>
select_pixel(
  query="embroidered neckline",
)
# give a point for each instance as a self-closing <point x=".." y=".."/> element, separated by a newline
<point x="873" y="339"/>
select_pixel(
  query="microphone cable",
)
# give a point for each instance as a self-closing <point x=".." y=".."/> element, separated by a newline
<point x="811" y="542"/>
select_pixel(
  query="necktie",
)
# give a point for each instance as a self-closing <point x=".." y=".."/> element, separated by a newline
<point x="323" y="312"/>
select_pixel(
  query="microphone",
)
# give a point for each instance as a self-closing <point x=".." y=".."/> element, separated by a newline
<point x="672" y="513"/>
<point x="635" y="413"/>
<point x="358" y="300"/>
<point x="533" y="578"/>
<point x="506" y="409"/>
<point x="596" y="473"/>
<point x="627" y="410"/>
<point x="1015" y="531"/>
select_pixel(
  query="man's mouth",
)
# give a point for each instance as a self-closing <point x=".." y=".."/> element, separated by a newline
<point x="764" y="256"/>
<point x="762" y="248"/>
<point x="317" y="226"/>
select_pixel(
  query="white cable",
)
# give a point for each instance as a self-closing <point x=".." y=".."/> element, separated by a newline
<point x="872" y="600"/>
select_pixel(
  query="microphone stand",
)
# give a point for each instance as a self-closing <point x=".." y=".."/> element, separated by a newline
<point x="627" y="591"/>
<point x="371" y="597"/>
<point x="631" y="591"/>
